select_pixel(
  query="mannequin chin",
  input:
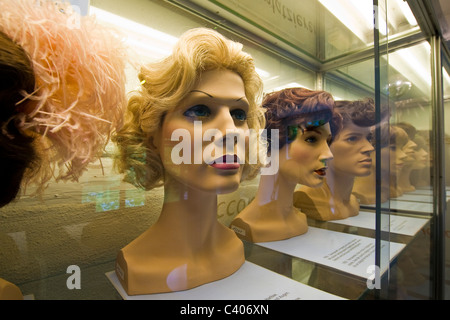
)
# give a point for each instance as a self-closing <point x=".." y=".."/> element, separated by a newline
<point x="271" y="216"/>
<point x="187" y="246"/>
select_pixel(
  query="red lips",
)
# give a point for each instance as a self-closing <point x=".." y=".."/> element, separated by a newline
<point x="226" y="162"/>
<point x="321" y="172"/>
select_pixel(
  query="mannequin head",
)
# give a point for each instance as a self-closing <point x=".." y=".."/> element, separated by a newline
<point x="421" y="158"/>
<point x="302" y="118"/>
<point x="174" y="95"/>
<point x="421" y="169"/>
<point x="410" y="146"/>
<point x="17" y="154"/>
<point x="217" y="104"/>
<point x="352" y="147"/>
<point x="392" y="146"/>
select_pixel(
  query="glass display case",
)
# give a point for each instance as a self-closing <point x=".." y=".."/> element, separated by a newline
<point x="64" y="244"/>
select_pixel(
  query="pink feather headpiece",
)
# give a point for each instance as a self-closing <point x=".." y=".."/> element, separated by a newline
<point x="79" y="67"/>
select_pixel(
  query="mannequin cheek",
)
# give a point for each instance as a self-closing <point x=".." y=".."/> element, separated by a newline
<point x="299" y="154"/>
<point x="295" y="163"/>
<point x="341" y="151"/>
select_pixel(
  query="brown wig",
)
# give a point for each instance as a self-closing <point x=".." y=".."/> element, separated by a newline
<point x="289" y="109"/>
<point x="392" y="135"/>
<point x="358" y="112"/>
<point x="17" y="153"/>
<point x="409" y="129"/>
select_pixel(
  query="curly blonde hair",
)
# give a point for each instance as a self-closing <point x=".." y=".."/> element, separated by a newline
<point x="164" y="84"/>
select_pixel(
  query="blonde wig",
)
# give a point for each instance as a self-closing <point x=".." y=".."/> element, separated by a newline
<point x="164" y="84"/>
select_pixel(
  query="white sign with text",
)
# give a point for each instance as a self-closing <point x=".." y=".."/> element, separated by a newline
<point x="346" y="252"/>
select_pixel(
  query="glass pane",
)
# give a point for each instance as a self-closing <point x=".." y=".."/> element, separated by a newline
<point x="411" y="183"/>
<point x="408" y="85"/>
<point x="315" y="30"/>
<point x="348" y="24"/>
<point x="86" y="223"/>
<point x="446" y="94"/>
<point x="368" y="79"/>
<point x="152" y="39"/>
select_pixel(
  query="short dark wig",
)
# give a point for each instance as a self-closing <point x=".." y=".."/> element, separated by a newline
<point x="290" y="108"/>
<point x="358" y="112"/>
<point x="17" y="153"/>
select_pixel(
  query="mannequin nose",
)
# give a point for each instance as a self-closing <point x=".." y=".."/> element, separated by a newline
<point x="228" y="139"/>
<point x="229" y="135"/>
<point x="225" y="121"/>
<point x="367" y="147"/>
<point x="326" y="154"/>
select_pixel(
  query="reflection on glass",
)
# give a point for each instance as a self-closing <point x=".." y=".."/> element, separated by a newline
<point x="348" y="24"/>
<point x="352" y="157"/>
<point x="420" y="173"/>
<point x="417" y="157"/>
<point x="446" y="98"/>
<point x="134" y="198"/>
<point x="111" y="215"/>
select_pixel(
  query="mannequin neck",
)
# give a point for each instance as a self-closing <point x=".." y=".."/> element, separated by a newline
<point x="189" y="214"/>
<point x="277" y="191"/>
<point x="404" y="177"/>
<point x="340" y="185"/>
<point x="365" y="187"/>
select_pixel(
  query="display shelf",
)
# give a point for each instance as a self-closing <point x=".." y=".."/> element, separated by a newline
<point x="327" y="279"/>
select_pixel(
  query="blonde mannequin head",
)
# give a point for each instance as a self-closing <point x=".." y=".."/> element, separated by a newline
<point x="164" y="84"/>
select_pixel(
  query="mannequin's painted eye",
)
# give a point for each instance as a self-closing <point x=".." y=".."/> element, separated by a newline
<point x="311" y="139"/>
<point x="352" y="139"/>
<point x="198" y="111"/>
<point x="239" y="114"/>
